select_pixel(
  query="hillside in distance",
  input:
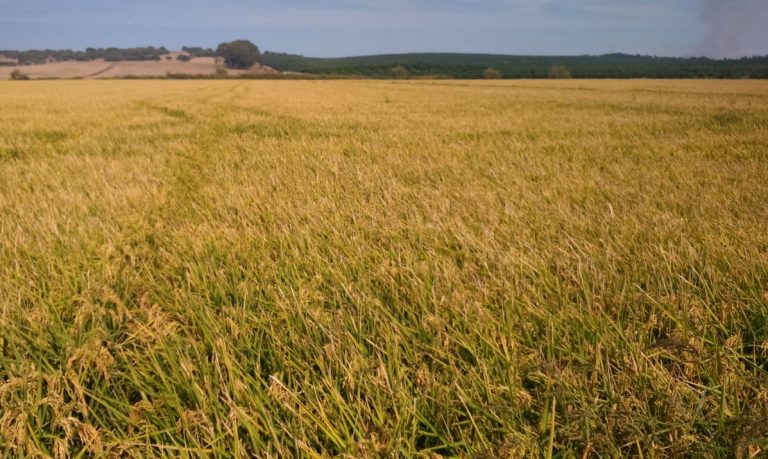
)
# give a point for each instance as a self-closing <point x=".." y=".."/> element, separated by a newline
<point x="458" y="65"/>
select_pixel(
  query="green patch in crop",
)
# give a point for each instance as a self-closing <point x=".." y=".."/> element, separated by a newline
<point x="12" y="153"/>
<point x="726" y="119"/>
<point x="51" y="136"/>
<point x="270" y="129"/>
<point x="174" y="113"/>
<point x="168" y="111"/>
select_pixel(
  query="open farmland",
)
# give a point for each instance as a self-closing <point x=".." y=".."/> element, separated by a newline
<point x="99" y="68"/>
<point x="273" y="268"/>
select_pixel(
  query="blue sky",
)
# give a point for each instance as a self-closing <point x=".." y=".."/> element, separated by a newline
<point x="717" y="28"/>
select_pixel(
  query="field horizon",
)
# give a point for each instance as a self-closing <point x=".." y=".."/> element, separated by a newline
<point x="573" y="268"/>
<point x="154" y="62"/>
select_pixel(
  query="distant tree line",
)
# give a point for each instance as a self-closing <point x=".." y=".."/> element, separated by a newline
<point x="238" y="54"/>
<point x="40" y="56"/>
<point x="242" y="54"/>
<point x="196" y="51"/>
<point x="478" y="65"/>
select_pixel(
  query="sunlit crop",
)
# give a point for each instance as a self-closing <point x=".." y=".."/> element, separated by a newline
<point x="377" y="268"/>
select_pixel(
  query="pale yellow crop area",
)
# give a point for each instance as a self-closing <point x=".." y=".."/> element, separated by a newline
<point x="384" y="268"/>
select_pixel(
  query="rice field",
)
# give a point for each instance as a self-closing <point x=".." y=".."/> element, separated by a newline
<point x="384" y="269"/>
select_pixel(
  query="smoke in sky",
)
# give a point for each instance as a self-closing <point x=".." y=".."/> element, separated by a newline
<point x="736" y="28"/>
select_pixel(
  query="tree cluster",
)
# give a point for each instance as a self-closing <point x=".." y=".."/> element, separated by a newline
<point x="239" y="54"/>
<point x="398" y="72"/>
<point x="17" y="75"/>
<point x="491" y="74"/>
<point x="41" y="56"/>
<point x="559" y="72"/>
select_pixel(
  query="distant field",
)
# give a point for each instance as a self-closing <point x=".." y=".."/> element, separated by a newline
<point x="376" y="268"/>
<point x="100" y="68"/>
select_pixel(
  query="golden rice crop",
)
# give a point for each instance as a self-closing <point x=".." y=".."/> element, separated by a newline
<point x="376" y="268"/>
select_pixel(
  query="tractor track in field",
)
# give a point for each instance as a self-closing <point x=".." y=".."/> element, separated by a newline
<point x="102" y="71"/>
